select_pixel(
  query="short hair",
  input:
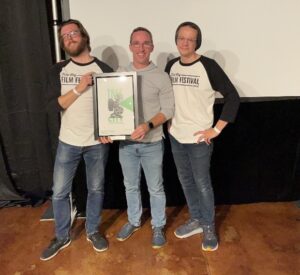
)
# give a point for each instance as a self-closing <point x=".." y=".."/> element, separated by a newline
<point x="139" y="29"/>
<point x="193" y="26"/>
<point x="81" y="28"/>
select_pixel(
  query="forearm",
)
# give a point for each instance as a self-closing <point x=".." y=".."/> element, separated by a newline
<point x="220" y="125"/>
<point x="69" y="98"/>
<point x="140" y="132"/>
<point x="208" y="134"/>
<point x="158" y="119"/>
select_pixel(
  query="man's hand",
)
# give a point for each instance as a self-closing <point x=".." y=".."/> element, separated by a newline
<point x="206" y="135"/>
<point x="105" y="140"/>
<point x="140" y="132"/>
<point x="85" y="81"/>
<point x="68" y="99"/>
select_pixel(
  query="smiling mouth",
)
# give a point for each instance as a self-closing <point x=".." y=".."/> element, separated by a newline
<point x="141" y="54"/>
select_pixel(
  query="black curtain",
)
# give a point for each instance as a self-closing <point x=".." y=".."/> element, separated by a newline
<point x="258" y="157"/>
<point x="25" y="52"/>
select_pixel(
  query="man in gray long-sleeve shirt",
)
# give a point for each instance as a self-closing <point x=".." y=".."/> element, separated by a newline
<point x="145" y="149"/>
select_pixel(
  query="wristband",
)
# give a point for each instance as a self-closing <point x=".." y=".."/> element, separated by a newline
<point x="217" y="130"/>
<point x="150" y="125"/>
<point x="75" y="92"/>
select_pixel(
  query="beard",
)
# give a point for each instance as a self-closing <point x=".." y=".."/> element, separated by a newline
<point x="76" y="51"/>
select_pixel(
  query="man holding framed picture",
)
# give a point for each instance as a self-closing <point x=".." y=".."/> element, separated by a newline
<point x="145" y="148"/>
<point x="69" y="93"/>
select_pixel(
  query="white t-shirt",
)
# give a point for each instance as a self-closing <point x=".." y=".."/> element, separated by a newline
<point x="194" y="100"/>
<point x="77" y="121"/>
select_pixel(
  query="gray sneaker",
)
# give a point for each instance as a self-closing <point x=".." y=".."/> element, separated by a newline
<point x="99" y="243"/>
<point x="190" y="228"/>
<point x="54" y="247"/>
<point x="126" y="231"/>
<point x="210" y="241"/>
<point x="158" y="238"/>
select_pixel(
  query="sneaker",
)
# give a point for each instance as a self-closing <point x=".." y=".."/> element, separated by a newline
<point x="190" y="228"/>
<point x="158" y="238"/>
<point x="126" y="231"/>
<point x="99" y="243"/>
<point x="54" y="247"/>
<point x="210" y="241"/>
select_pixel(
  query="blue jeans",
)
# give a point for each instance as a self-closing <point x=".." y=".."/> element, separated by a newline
<point x="149" y="156"/>
<point x="193" y="163"/>
<point x="66" y="163"/>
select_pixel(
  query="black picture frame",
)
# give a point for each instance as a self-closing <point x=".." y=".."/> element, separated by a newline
<point x="115" y="104"/>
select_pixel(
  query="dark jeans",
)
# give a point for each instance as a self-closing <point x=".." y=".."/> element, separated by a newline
<point x="193" y="164"/>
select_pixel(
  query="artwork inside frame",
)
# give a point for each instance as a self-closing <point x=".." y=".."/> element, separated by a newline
<point x="115" y="104"/>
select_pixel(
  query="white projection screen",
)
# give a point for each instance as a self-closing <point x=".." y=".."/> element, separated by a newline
<point x="256" y="42"/>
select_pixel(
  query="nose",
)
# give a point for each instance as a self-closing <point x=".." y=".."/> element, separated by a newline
<point x="68" y="37"/>
<point x="185" y="41"/>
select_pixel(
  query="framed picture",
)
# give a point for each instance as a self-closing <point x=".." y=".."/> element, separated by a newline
<point x="115" y="104"/>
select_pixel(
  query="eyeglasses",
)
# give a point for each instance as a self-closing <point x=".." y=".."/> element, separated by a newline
<point x="70" y="35"/>
<point x="188" y="40"/>
<point x="146" y="44"/>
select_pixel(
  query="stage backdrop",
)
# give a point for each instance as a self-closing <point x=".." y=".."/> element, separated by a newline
<point x="256" y="42"/>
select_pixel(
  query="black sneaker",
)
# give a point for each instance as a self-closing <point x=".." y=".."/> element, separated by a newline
<point x="126" y="231"/>
<point x="190" y="228"/>
<point x="158" y="237"/>
<point x="99" y="243"/>
<point x="210" y="241"/>
<point x="54" y="247"/>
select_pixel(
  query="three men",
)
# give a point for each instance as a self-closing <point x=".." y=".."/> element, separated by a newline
<point x="195" y="80"/>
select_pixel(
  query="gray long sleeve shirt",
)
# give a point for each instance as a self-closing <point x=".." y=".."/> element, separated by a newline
<point x="155" y="95"/>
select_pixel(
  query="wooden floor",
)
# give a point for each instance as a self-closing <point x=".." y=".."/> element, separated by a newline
<point x="261" y="238"/>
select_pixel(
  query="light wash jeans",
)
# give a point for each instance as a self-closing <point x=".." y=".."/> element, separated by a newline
<point x="193" y="164"/>
<point x="66" y="163"/>
<point x="149" y="156"/>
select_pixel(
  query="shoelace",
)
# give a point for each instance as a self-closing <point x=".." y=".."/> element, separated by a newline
<point x="95" y="237"/>
<point x="158" y="232"/>
<point x="129" y="226"/>
<point x="209" y="232"/>
<point x="55" y="243"/>
<point x="190" y="223"/>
